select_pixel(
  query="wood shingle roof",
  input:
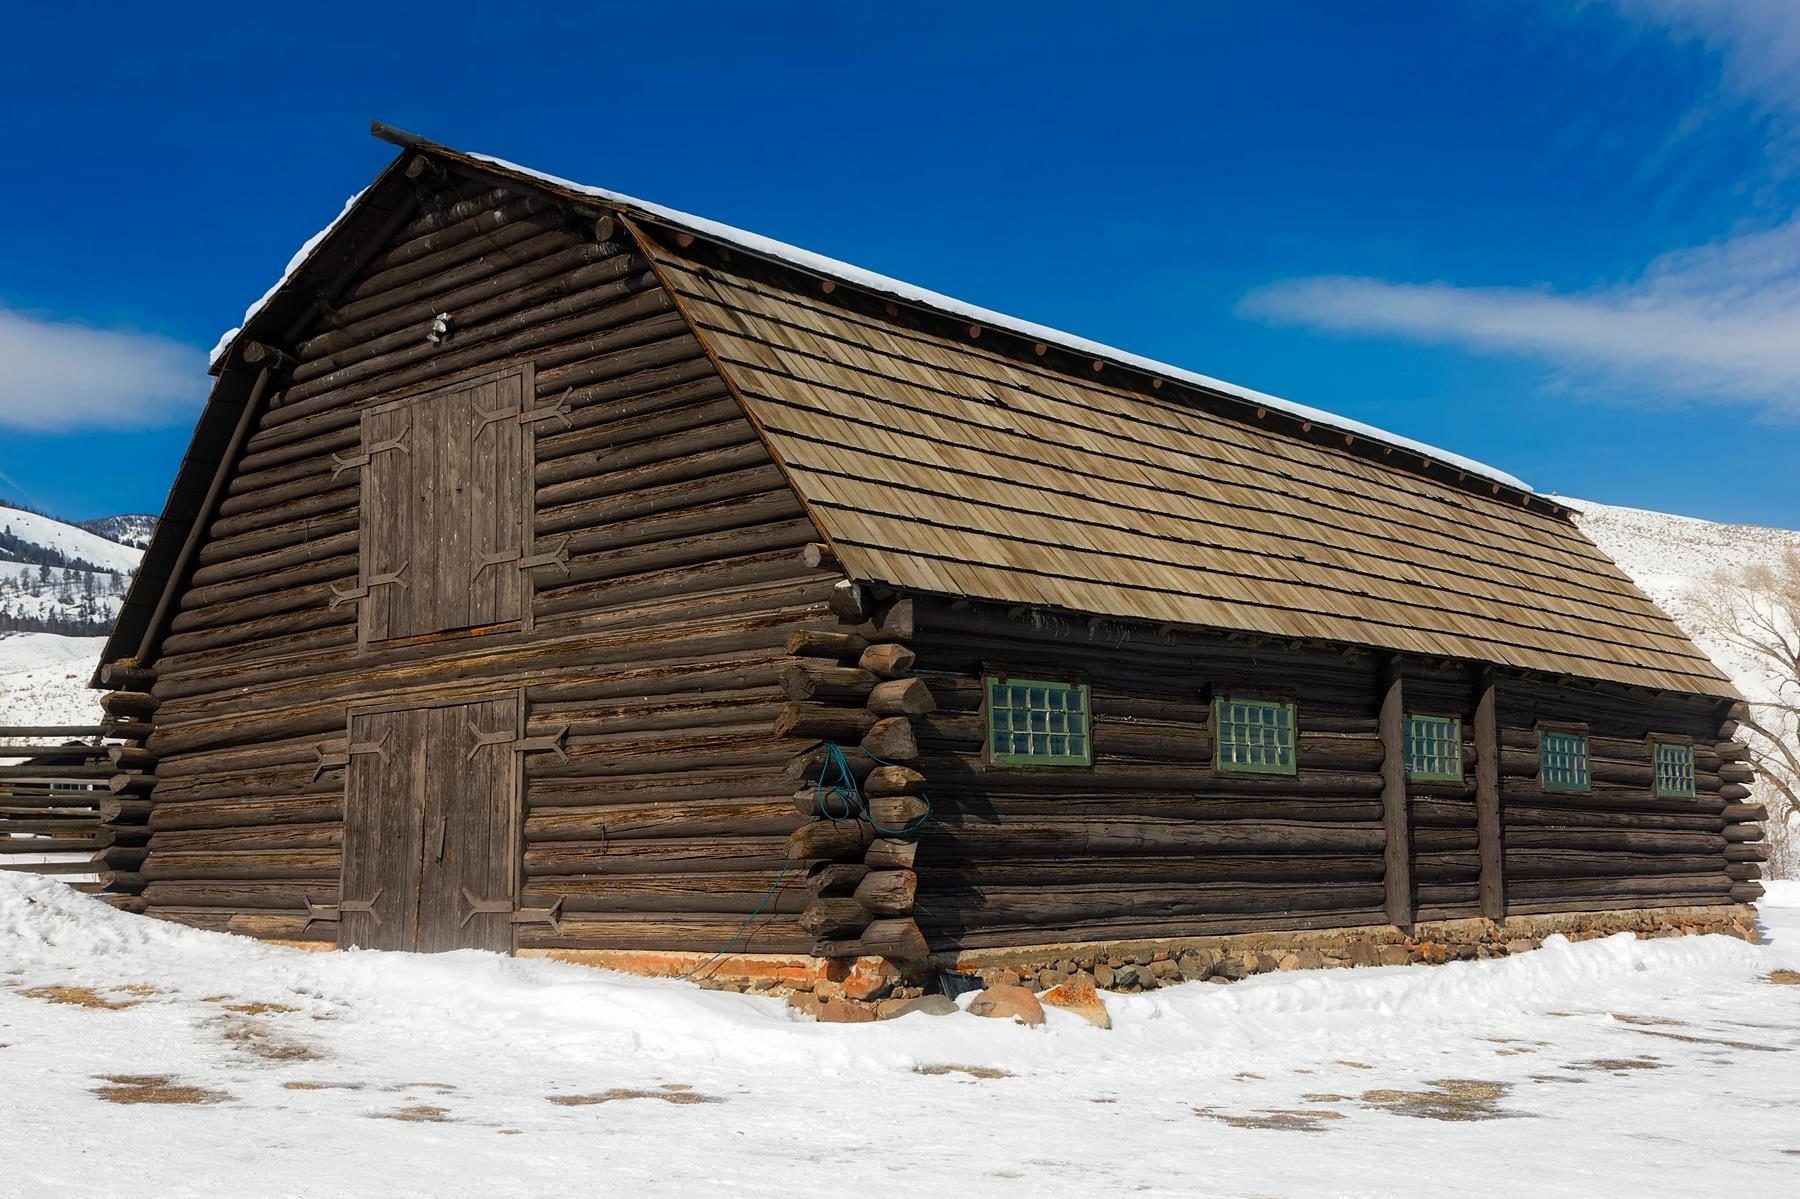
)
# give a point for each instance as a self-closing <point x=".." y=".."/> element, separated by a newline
<point x="942" y="465"/>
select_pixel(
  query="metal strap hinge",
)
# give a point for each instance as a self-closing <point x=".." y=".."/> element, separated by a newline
<point x="551" y="742"/>
<point x="327" y="761"/>
<point x="551" y="915"/>
<point x="494" y="416"/>
<point x="343" y="462"/>
<point x="343" y="595"/>
<point x="364" y="906"/>
<point x="483" y="907"/>
<point x="483" y="740"/>
<point x="324" y="912"/>
<point x="557" y="557"/>
<point x="556" y="411"/>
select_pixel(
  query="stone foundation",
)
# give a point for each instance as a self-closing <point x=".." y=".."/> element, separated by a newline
<point x="869" y="988"/>
<point x="1148" y="964"/>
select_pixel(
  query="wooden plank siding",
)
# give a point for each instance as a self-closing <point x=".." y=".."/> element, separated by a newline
<point x="671" y="577"/>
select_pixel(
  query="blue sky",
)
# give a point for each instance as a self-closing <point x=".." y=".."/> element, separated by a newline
<point x="1562" y="238"/>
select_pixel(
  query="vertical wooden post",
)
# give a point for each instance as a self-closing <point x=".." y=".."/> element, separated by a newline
<point x="1488" y="826"/>
<point x="1398" y="872"/>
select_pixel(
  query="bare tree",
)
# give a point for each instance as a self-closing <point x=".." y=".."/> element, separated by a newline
<point x="1757" y="611"/>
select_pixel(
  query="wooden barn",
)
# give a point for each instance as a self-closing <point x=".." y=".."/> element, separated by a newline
<point x="552" y="572"/>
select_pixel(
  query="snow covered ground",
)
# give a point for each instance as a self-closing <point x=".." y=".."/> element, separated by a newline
<point x="201" y="1064"/>
<point x="43" y="679"/>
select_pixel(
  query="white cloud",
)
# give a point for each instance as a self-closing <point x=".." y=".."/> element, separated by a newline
<point x="58" y="376"/>
<point x="1757" y="41"/>
<point x="1720" y="321"/>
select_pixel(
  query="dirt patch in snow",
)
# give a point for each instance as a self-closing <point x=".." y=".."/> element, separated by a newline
<point x="420" y="1113"/>
<point x="79" y="997"/>
<point x="1282" y="1119"/>
<point x="1627" y="1018"/>
<point x="672" y="1093"/>
<point x="256" y="1038"/>
<point x="971" y="1071"/>
<point x="1452" y="1099"/>
<point x="1785" y="978"/>
<point x="323" y="1086"/>
<point x="259" y="1008"/>
<point x="1617" y="1065"/>
<point x="153" y="1088"/>
<point x="1675" y="1036"/>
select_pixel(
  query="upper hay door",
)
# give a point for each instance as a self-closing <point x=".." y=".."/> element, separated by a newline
<point x="446" y="510"/>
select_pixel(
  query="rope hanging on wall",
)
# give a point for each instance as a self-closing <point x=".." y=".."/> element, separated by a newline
<point x="837" y="797"/>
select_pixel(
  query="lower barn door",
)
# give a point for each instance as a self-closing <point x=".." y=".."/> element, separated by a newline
<point x="430" y="829"/>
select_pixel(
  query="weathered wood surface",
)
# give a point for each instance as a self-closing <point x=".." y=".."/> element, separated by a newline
<point x="648" y="634"/>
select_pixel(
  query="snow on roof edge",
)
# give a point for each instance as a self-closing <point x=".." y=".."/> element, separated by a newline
<point x="856" y="276"/>
<point x="294" y="264"/>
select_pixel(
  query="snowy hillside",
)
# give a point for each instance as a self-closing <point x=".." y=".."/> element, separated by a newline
<point x="130" y="528"/>
<point x="60" y="578"/>
<point x="216" y="1065"/>
<point x="1673" y="558"/>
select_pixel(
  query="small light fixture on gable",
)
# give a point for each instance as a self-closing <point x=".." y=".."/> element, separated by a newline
<point x="440" y="328"/>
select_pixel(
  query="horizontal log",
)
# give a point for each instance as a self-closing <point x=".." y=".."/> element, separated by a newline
<point x="850" y="601"/>
<point x="897" y="814"/>
<point x="120" y="677"/>
<point x="940" y="871"/>
<point x="893" y="780"/>
<point x="823" y="643"/>
<point x="737" y="893"/>
<point x="680" y="855"/>
<point x="897" y="940"/>
<point x="812" y="679"/>
<point x="237" y="813"/>
<point x="1743" y="832"/>
<point x="248" y="864"/>
<point x="888" y="892"/>
<point x="832" y="917"/>
<point x="1077" y="901"/>
<point x="951" y="834"/>
<point x="654" y="819"/>
<point x="1743" y="872"/>
<point x="132" y="705"/>
<point x="901" y="697"/>
<point x="1746" y="892"/>
<point x="890" y="853"/>
<point x="1747" y="852"/>
<point x="823" y="722"/>
<point x="291" y="894"/>
<point x="889" y="660"/>
<point x="1744" y="813"/>
<point x="830" y="839"/>
<point x="835" y="878"/>
<point x="769" y="933"/>
<point x="891" y="739"/>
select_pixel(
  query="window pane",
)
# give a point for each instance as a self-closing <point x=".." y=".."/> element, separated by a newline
<point x="1254" y="736"/>
<point x="1037" y="723"/>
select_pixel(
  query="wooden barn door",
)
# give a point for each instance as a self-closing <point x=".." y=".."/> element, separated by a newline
<point x="446" y="510"/>
<point x="431" y="828"/>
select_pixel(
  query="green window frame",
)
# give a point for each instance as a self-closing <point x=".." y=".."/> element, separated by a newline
<point x="1674" y="769"/>
<point x="1036" y="722"/>
<point x="1563" y="760"/>
<point x="1434" y="749"/>
<point x="1254" y="736"/>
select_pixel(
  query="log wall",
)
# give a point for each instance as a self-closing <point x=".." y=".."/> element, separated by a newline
<point x="1153" y="841"/>
<point x="655" y="812"/>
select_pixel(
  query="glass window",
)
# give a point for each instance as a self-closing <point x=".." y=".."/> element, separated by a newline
<point x="1253" y="736"/>
<point x="1674" y="770"/>
<point x="1434" y="749"/>
<point x="1563" y="760"/>
<point x="1036" y="723"/>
